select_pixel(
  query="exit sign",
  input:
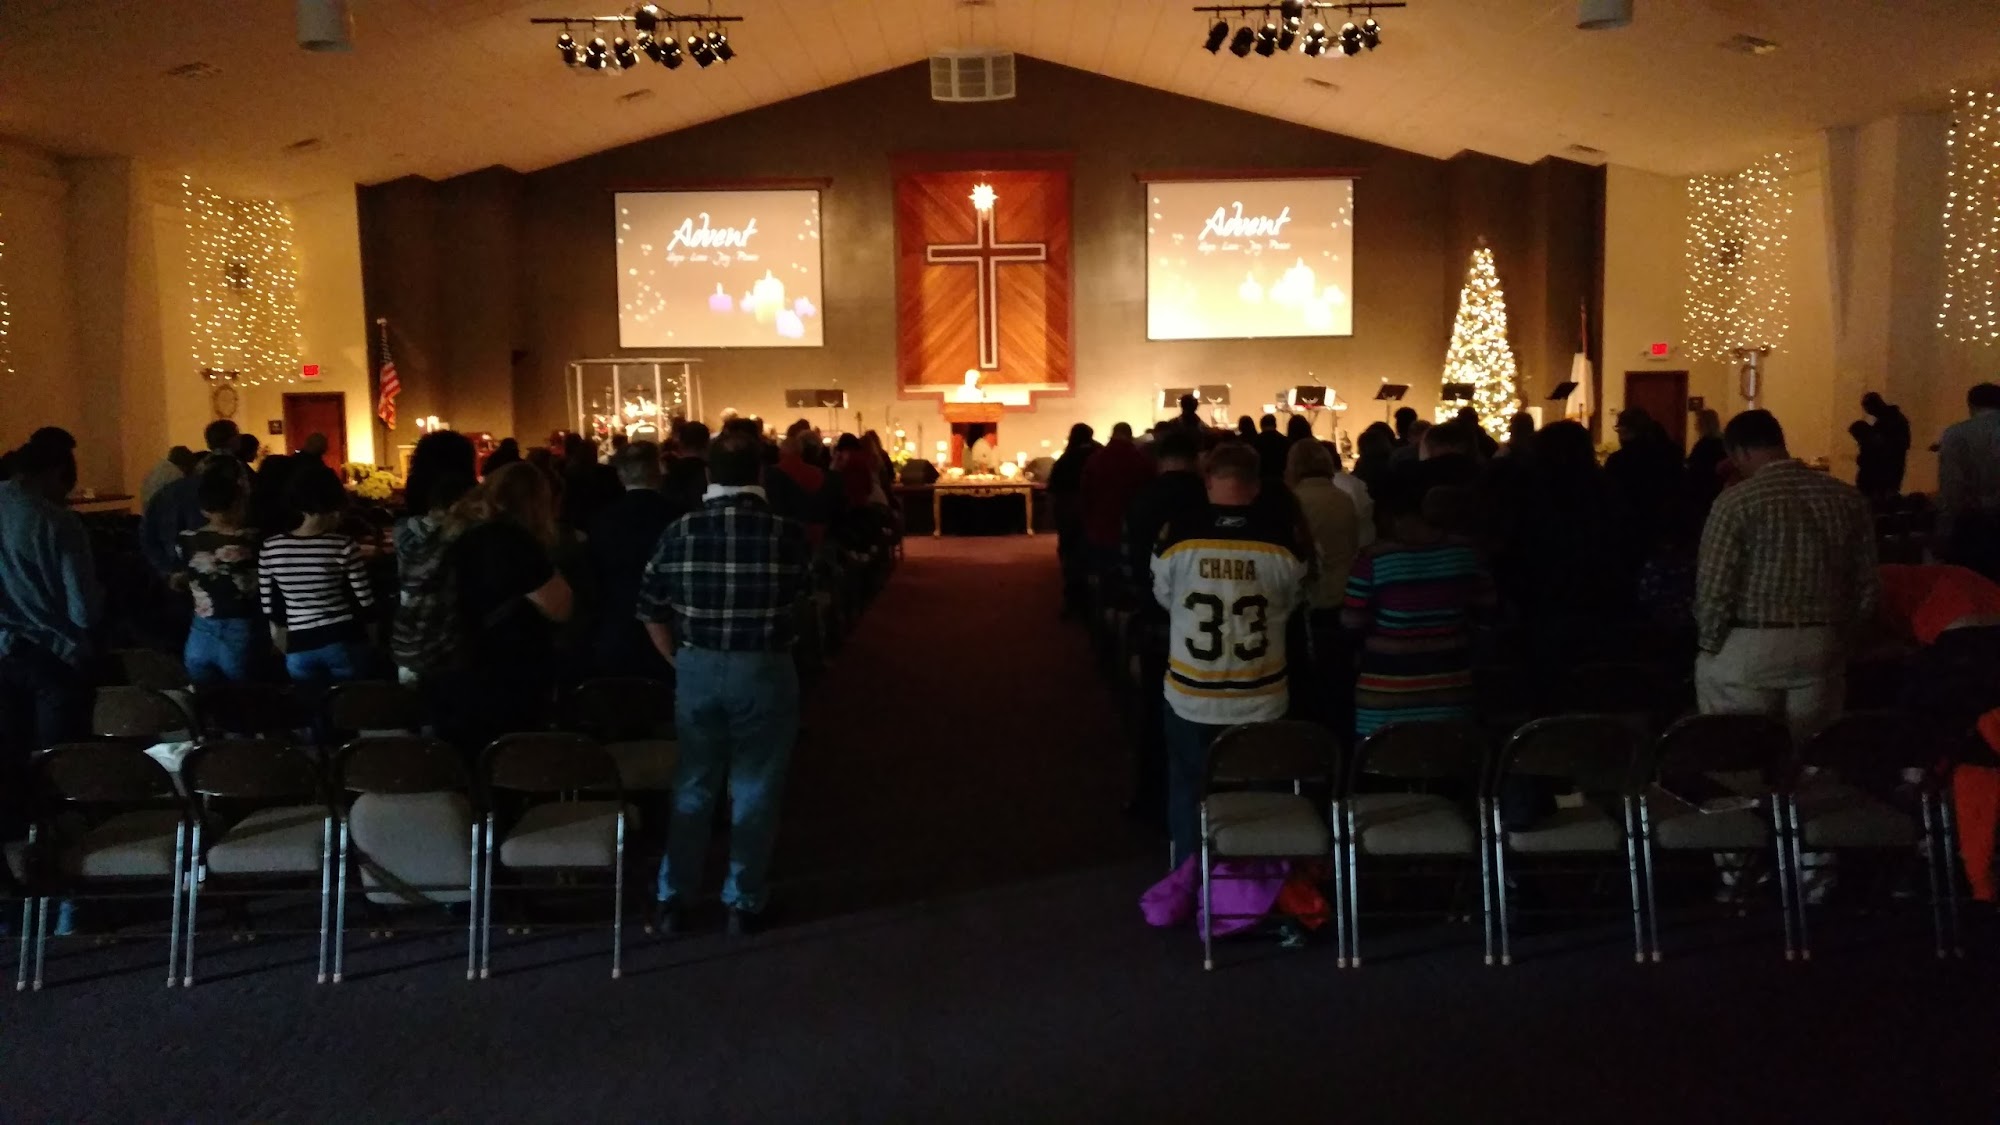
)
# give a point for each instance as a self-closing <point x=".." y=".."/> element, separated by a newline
<point x="309" y="371"/>
<point x="1659" y="349"/>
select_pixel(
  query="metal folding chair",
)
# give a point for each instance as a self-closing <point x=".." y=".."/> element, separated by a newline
<point x="1596" y="755"/>
<point x="271" y="820"/>
<point x="130" y="829"/>
<point x="1750" y="756"/>
<point x="416" y="780"/>
<point x="553" y="833"/>
<point x="1857" y="778"/>
<point x="1416" y="825"/>
<point x="1254" y="804"/>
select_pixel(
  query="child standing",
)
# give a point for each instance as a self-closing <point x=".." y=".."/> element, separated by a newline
<point x="219" y="568"/>
<point x="314" y="586"/>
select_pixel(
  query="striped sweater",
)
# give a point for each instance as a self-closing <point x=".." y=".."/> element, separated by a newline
<point x="315" y="586"/>
<point x="1229" y="579"/>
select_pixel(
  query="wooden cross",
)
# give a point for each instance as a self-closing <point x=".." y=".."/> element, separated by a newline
<point x="987" y="253"/>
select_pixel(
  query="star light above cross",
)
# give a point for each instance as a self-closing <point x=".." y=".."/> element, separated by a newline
<point x="983" y="197"/>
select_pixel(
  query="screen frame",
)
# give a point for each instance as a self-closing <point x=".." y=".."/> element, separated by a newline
<point x="1146" y="181"/>
<point x="818" y="187"/>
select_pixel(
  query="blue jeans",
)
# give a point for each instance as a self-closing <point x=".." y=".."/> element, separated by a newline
<point x="1187" y="764"/>
<point x="344" y="660"/>
<point x="220" y="649"/>
<point x="737" y="715"/>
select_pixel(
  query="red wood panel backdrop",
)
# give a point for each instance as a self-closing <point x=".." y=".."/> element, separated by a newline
<point x="937" y="305"/>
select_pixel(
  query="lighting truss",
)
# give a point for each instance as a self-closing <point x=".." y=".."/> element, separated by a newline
<point x="1272" y="29"/>
<point x="609" y="44"/>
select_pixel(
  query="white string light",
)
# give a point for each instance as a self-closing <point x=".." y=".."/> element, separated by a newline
<point x="6" y="312"/>
<point x="1737" y="253"/>
<point x="242" y="285"/>
<point x="1479" y="352"/>
<point x="1972" y="219"/>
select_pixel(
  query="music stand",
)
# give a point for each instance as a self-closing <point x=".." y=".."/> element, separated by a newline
<point x="1170" y="397"/>
<point x="1213" y="395"/>
<point x="831" y="399"/>
<point x="1563" y="391"/>
<point x="1388" y="393"/>
<point x="1308" y="397"/>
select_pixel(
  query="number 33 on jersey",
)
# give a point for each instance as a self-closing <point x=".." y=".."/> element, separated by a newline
<point x="1229" y="580"/>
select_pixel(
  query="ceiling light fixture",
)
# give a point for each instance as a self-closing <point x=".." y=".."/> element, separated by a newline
<point x="1271" y="28"/>
<point x="646" y="31"/>
<point x="1603" y="15"/>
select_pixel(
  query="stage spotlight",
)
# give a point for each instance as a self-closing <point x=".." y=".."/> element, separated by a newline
<point x="572" y="55"/>
<point x="699" y="51"/>
<point x="719" y="43"/>
<point x="1240" y="46"/>
<point x="1292" y="11"/>
<point x="623" y="54"/>
<point x="647" y="17"/>
<point x="1371" y="33"/>
<point x="1350" y="40"/>
<point x="1286" y="38"/>
<point x="594" y="55"/>
<point x="1267" y="40"/>
<point x="1217" y="35"/>
<point x="1315" y="44"/>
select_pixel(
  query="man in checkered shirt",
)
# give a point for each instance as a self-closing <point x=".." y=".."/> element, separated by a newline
<point x="1787" y="571"/>
<point x="717" y="600"/>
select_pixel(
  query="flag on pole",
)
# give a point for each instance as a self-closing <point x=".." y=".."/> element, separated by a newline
<point x="1582" y="403"/>
<point x="389" y="385"/>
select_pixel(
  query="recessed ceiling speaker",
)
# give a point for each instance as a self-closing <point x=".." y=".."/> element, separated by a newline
<point x="981" y="74"/>
<point x="1603" y="15"/>
<point x="325" y="25"/>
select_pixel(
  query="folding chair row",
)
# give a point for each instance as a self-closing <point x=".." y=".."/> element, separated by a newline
<point x="113" y="822"/>
<point x="1712" y="784"/>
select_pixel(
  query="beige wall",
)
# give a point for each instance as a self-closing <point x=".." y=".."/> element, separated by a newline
<point x="43" y="389"/>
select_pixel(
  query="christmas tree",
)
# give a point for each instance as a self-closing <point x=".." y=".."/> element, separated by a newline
<point x="1479" y="353"/>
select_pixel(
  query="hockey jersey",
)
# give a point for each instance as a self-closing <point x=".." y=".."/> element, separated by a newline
<point x="1229" y="579"/>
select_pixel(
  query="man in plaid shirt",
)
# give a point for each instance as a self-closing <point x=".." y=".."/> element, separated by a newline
<point x="717" y="600"/>
<point x="1787" y="570"/>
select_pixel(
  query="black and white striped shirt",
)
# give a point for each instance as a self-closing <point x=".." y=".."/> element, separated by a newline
<point x="315" y="586"/>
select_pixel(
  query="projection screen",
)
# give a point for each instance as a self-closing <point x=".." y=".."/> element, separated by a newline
<point x="1236" y="259"/>
<point x="718" y="269"/>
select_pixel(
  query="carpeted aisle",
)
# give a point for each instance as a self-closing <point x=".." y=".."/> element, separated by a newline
<point x="964" y="946"/>
<point x="961" y="740"/>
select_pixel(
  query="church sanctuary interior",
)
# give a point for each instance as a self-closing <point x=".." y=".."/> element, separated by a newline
<point x="1000" y="560"/>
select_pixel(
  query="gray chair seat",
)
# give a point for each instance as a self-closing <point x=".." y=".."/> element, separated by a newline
<point x="133" y="845"/>
<point x="283" y="841"/>
<point x="563" y="834"/>
<point x="1411" y="824"/>
<point x="421" y="840"/>
<point x="1585" y="828"/>
<point x="1676" y="827"/>
<point x="1841" y="816"/>
<point x="1266" y="824"/>
<point x="646" y="763"/>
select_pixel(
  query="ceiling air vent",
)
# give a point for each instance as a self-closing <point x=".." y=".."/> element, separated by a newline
<point x="1584" y="153"/>
<point x="1750" y="45"/>
<point x="978" y="75"/>
<point x="194" y="70"/>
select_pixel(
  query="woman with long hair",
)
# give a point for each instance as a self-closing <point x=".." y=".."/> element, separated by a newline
<point x="442" y="469"/>
<point x="508" y="600"/>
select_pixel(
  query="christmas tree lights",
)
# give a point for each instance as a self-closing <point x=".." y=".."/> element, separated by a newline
<point x="1479" y="352"/>
<point x="1972" y="219"/>
<point x="1737" y="254"/>
<point x="242" y="285"/>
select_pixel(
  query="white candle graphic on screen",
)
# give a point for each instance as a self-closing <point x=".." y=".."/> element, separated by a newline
<point x="767" y="297"/>
<point x="719" y="301"/>
<point x="1250" y="292"/>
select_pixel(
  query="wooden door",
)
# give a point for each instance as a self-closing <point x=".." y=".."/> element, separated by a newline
<point x="1663" y="395"/>
<point x="323" y="413"/>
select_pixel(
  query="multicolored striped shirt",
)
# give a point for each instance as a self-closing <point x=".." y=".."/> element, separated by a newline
<point x="1411" y="605"/>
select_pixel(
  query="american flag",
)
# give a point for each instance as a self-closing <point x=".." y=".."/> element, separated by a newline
<point x="391" y="386"/>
